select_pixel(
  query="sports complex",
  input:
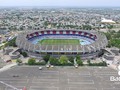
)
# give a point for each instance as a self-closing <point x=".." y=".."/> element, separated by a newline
<point x="87" y="43"/>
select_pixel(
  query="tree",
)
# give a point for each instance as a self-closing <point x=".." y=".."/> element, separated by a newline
<point x="11" y="42"/>
<point x="98" y="64"/>
<point x="104" y="63"/>
<point x="108" y="35"/>
<point x="63" y="60"/>
<point x="18" y="61"/>
<point x="53" y="61"/>
<point x="117" y="35"/>
<point x="79" y="61"/>
<point x="78" y="57"/>
<point x="71" y="59"/>
<point x="24" y="54"/>
<point x="31" y="61"/>
<point x="115" y="42"/>
<point x="88" y="61"/>
<point x="110" y="26"/>
<point x="46" y="58"/>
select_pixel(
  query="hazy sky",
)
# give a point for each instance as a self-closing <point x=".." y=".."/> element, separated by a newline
<point x="60" y="3"/>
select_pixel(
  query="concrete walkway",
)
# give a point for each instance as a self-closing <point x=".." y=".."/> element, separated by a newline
<point x="112" y="66"/>
<point x="7" y="67"/>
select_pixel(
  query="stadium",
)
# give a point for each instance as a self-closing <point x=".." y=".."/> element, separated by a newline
<point x="86" y="43"/>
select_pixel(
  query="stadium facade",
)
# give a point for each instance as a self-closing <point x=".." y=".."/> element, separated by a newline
<point x="91" y="46"/>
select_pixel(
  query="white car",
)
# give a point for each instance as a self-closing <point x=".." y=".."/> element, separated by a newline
<point x="47" y="66"/>
<point x="52" y="66"/>
<point x="76" y="66"/>
<point x="40" y="68"/>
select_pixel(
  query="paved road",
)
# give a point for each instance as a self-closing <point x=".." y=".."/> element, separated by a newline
<point x="60" y="78"/>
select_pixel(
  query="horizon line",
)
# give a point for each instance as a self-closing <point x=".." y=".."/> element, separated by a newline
<point x="59" y="7"/>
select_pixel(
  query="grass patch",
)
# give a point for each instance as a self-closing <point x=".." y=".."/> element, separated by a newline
<point x="59" y="42"/>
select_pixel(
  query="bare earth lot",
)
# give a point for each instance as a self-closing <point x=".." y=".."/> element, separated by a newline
<point x="60" y="78"/>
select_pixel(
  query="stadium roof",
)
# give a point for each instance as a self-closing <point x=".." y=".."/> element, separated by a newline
<point x="107" y="21"/>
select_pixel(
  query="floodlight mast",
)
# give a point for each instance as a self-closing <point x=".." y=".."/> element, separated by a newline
<point x="10" y="85"/>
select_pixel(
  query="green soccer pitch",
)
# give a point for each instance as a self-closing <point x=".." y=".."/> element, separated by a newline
<point x="59" y="42"/>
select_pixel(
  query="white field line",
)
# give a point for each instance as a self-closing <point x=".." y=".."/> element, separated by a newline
<point x="44" y="80"/>
<point x="81" y="82"/>
<point x="71" y="88"/>
<point x="79" y="74"/>
<point x="40" y="88"/>
<point x="14" y="80"/>
<point x="110" y="88"/>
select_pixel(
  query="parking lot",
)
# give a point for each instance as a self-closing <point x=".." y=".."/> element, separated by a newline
<point x="60" y="78"/>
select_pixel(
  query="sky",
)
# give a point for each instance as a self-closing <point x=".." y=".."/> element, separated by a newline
<point x="72" y="3"/>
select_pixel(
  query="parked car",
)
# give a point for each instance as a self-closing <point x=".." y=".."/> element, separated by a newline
<point x="15" y="75"/>
<point x="40" y="68"/>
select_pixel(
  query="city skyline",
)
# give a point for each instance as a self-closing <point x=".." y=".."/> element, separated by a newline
<point x="60" y="3"/>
